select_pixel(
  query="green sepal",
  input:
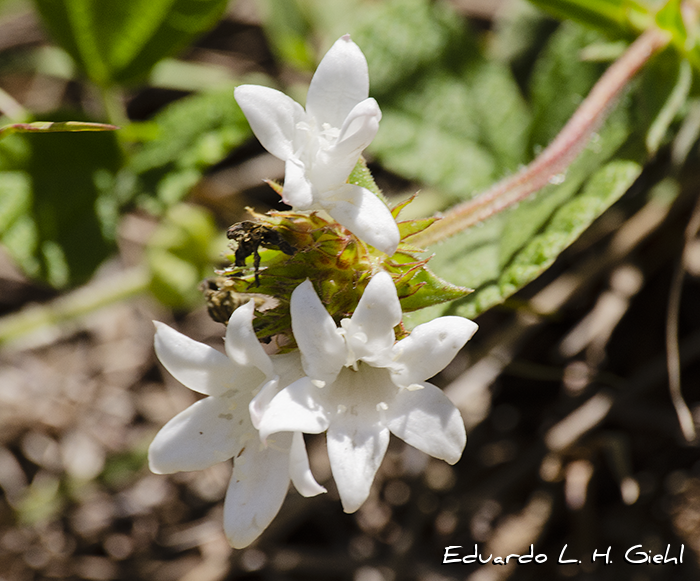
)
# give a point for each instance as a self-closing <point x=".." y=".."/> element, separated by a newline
<point x="418" y="287"/>
<point x="293" y="247"/>
<point x="361" y="176"/>
<point x="409" y="228"/>
<point x="396" y="210"/>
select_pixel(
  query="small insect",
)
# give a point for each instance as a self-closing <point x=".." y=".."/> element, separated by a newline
<point x="222" y="298"/>
<point x="249" y="236"/>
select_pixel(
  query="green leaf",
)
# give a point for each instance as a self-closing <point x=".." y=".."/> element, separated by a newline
<point x="519" y="34"/>
<point x="616" y="17"/>
<point x="189" y="76"/>
<point x="403" y="39"/>
<point x="560" y="81"/>
<point x="54" y="127"/>
<point x="502" y="113"/>
<point x="119" y="42"/>
<point x="451" y="119"/>
<point x="419" y="149"/>
<point x="477" y="255"/>
<point x="50" y="221"/>
<point x="502" y="254"/>
<point x="63" y="170"/>
<point x="666" y="85"/>
<point x="603" y="189"/>
<point x="408" y="228"/>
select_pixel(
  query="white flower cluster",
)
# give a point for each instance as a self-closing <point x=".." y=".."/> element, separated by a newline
<point x="354" y="382"/>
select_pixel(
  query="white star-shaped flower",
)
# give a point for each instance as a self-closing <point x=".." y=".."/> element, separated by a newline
<point x="321" y="145"/>
<point x="360" y="385"/>
<point x="219" y="427"/>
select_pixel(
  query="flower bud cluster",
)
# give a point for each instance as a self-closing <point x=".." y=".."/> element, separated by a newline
<point x="298" y="246"/>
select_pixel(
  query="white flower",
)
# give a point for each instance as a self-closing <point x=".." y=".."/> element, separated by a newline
<point x="320" y="146"/>
<point x="219" y="427"/>
<point x="360" y="385"/>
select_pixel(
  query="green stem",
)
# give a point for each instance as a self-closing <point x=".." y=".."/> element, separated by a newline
<point x="80" y="302"/>
<point x="559" y="154"/>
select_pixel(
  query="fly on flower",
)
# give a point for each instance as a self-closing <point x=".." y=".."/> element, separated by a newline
<point x="249" y="236"/>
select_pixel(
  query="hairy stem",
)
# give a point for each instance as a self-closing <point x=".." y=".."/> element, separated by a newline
<point x="559" y="154"/>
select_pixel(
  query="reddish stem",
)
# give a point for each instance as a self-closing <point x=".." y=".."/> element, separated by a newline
<point x="559" y="154"/>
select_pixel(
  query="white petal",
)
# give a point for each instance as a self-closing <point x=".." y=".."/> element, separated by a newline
<point x="297" y="408"/>
<point x="297" y="191"/>
<point x="341" y="81"/>
<point x="242" y="346"/>
<point x="333" y="164"/>
<point x="299" y="469"/>
<point x="272" y="116"/>
<point x="365" y="215"/>
<point x="426" y="419"/>
<point x="356" y="448"/>
<point x="289" y="369"/>
<point x="196" y="365"/>
<point x="374" y="319"/>
<point x="323" y="350"/>
<point x="429" y="348"/>
<point x="205" y="433"/>
<point x="262" y="399"/>
<point x="359" y="129"/>
<point x="258" y="487"/>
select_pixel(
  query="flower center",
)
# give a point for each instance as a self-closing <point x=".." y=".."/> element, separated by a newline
<point x="312" y="140"/>
<point x="362" y="388"/>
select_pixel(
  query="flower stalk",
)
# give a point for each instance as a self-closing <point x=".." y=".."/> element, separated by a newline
<point x="560" y="153"/>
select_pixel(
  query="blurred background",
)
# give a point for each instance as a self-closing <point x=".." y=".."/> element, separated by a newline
<point x="573" y="436"/>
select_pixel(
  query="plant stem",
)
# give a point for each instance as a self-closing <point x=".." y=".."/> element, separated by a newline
<point x="673" y="357"/>
<point x="559" y="154"/>
<point x="80" y="302"/>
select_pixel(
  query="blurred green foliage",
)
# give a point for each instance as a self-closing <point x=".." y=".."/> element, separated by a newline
<point x="54" y="228"/>
<point x="119" y="42"/>
<point x="191" y="135"/>
<point x="180" y="254"/>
